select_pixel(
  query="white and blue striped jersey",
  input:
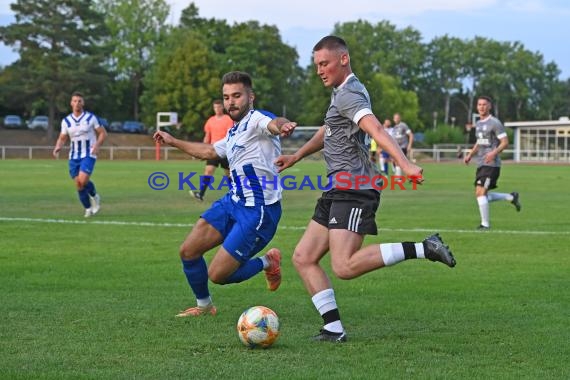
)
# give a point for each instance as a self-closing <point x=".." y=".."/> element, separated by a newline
<point x="251" y="150"/>
<point x="81" y="132"/>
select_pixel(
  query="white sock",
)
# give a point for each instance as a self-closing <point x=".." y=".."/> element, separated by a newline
<point x="335" y="327"/>
<point x="483" y="210"/>
<point x="203" y="302"/>
<point x="392" y="253"/>
<point x="264" y="261"/>
<point x="325" y="301"/>
<point x="420" y="250"/>
<point x="397" y="170"/>
<point x="381" y="161"/>
<point x="492" y="197"/>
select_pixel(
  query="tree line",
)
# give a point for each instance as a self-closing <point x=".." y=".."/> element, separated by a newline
<point x="130" y="63"/>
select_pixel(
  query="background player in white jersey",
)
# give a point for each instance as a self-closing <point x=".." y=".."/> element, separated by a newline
<point x="245" y="219"/>
<point x="492" y="139"/>
<point x="86" y="135"/>
<point x="342" y="218"/>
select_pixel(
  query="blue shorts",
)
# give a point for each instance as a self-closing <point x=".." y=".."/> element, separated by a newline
<point x="385" y="154"/>
<point x="86" y="165"/>
<point x="246" y="230"/>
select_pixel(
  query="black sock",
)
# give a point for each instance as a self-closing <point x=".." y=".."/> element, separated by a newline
<point x="205" y="182"/>
<point x="409" y="250"/>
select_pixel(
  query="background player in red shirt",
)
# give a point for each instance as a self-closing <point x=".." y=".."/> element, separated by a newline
<point x="215" y="129"/>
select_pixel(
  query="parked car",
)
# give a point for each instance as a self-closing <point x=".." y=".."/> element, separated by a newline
<point x="116" y="126"/>
<point x="39" y="122"/>
<point x="103" y="122"/>
<point x="131" y="126"/>
<point x="13" y="121"/>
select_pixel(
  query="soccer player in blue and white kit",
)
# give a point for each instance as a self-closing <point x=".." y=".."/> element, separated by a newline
<point x="492" y="139"/>
<point x="244" y="220"/>
<point x="342" y="218"/>
<point x="86" y="135"/>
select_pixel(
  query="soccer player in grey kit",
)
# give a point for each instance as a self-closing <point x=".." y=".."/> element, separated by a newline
<point x="491" y="141"/>
<point x="342" y="218"/>
<point x="404" y="137"/>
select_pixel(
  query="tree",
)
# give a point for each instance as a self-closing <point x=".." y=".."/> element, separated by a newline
<point x="444" y="68"/>
<point x="385" y="49"/>
<point x="258" y="50"/>
<point x="59" y="42"/>
<point x="136" y="28"/>
<point x="388" y="97"/>
<point x="195" y="55"/>
<point x="184" y="79"/>
<point x="558" y="103"/>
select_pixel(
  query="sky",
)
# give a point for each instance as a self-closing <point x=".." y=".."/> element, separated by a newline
<point x="541" y="25"/>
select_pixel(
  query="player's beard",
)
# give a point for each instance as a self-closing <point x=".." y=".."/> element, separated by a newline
<point x="242" y="112"/>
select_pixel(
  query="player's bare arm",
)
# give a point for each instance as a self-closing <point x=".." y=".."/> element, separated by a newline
<point x="61" y="140"/>
<point x="281" y="126"/>
<point x="195" y="149"/>
<point x="101" y="136"/>
<point x="372" y="126"/>
<point x="410" y="143"/>
<point x="470" y="155"/>
<point x="315" y="144"/>
<point x="490" y="157"/>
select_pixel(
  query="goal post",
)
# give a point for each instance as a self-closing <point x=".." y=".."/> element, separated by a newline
<point x="164" y="119"/>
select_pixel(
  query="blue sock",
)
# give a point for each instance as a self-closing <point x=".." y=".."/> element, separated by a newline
<point x="385" y="168"/>
<point x="196" y="273"/>
<point x="91" y="188"/>
<point x="84" y="197"/>
<point x="247" y="270"/>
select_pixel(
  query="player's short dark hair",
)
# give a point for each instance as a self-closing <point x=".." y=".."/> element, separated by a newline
<point x="487" y="98"/>
<point x="217" y="101"/>
<point x="331" y="43"/>
<point x="77" y="93"/>
<point x="238" y="77"/>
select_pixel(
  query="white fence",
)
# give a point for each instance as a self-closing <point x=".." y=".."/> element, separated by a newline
<point x="169" y="153"/>
<point x="437" y="153"/>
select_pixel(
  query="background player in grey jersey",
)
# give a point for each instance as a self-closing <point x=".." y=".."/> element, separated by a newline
<point x="342" y="218"/>
<point x="491" y="141"/>
<point x="404" y="137"/>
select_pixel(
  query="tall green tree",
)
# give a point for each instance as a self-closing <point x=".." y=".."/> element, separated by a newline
<point x="558" y="103"/>
<point x="258" y="50"/>
<point x="60" y="47"/>
<point x="199" y="51"/>
<point x="444" y="68"/>
<point x="137" y="28"/>
<point x="388" y="97"/>
<point x="184" y="79"/>
<point x="382" y="48"/>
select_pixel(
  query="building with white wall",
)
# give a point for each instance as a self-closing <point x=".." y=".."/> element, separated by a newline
<point x="541" y="141"/>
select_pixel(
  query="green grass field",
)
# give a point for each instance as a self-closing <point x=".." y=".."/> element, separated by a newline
<point x="96" y="298"/>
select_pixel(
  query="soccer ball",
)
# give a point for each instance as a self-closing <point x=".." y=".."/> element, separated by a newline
<point x="258" y="326"/>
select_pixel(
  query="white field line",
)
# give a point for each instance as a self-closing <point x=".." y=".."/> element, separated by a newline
<point x="300" y="228"/>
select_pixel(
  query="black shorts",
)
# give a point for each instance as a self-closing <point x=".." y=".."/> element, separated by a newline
<point x="353" y="210"/>
<point x="487" y="176"/>
<point x="223" y="162"/>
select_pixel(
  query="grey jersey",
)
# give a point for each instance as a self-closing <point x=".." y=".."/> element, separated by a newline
<point x="488" y="132"/>
<point x="346" y="145"/>
<point x="400" y="134"/>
